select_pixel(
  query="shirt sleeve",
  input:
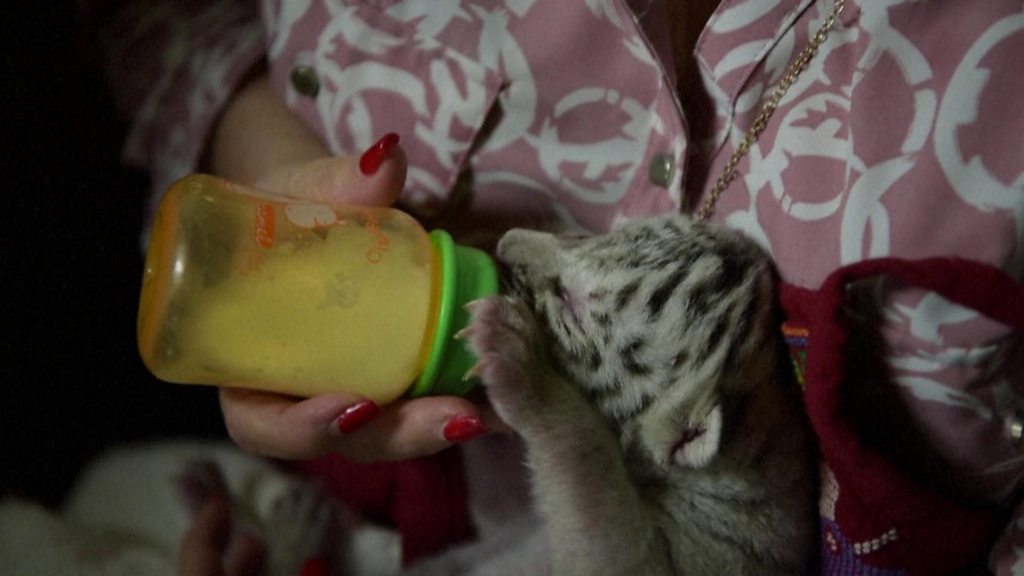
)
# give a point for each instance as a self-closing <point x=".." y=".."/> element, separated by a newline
<point x="171" y="67"/>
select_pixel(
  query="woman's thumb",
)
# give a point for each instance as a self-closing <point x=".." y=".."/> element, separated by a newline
<point x="374" y="178"/>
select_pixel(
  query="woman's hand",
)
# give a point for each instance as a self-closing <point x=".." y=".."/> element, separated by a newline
<point x="284" y="427"/>
<point x="210" y="549"/>
<point x="260" y="142"/>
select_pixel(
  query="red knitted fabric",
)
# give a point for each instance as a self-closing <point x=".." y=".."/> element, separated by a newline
<point x="930" y="534"/>
<point x="424" y="499"/>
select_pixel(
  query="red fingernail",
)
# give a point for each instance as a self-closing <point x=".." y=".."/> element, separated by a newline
<point x="463" y="428"/>
<point x="315" y="567"/>
<point x="371" y="160"/>
<point x="356" y="415"/>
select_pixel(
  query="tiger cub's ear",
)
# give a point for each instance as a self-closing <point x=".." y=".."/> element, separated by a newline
<point x="698" y="440"/>
<point x="682" y="431"/>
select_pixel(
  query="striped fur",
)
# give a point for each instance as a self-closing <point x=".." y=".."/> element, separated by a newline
<point x="644" y="370"/>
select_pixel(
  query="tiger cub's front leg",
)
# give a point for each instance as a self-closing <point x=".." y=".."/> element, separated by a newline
<point x="596" y="520"/>
<point x="513" y="364"/>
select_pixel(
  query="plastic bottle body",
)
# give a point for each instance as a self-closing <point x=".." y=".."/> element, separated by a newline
<point x="261" y="292"/>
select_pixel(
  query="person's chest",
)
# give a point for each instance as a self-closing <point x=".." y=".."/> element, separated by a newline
<point x="898" y="138"/>
<point x="565" y="114"/>
<point x="548" y="113"/>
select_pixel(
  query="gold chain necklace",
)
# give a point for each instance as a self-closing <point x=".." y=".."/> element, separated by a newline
<point x="761" y="121"/>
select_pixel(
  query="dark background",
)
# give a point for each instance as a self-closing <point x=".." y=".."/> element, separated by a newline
<point x="71" y="382"/>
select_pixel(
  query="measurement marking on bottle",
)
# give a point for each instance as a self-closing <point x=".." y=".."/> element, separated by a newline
<point x="381" y="241"/>
<point x="264" y="225"/>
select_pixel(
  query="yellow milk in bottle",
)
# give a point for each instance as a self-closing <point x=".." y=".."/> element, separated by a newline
<point x="245" y="289"/>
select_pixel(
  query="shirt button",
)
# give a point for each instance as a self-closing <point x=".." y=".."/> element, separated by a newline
<point x="1015" y="427"/>
<point x="662" y="169"/>
<point x="305" y="80"/>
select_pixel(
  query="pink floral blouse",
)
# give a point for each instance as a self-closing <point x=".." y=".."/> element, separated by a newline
<point x="902" y="141"/>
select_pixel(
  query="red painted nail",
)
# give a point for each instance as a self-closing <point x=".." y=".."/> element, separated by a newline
<point x="375" y="155"/>
<point x="463" y="428"/>
<point x="315" y="567"/>
<point x="356" y="415"/>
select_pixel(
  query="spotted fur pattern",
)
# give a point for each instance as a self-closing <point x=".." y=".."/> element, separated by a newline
<point x="644" y="371"/>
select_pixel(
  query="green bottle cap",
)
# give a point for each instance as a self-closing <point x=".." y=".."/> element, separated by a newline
<point x="467" y="274"/>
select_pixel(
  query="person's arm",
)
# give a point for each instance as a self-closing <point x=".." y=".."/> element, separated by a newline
<point x="171" y="68"/>
<point x="257" y="136"/>
<point x="210" y="548"/>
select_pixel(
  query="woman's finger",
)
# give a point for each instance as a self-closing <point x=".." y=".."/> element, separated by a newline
<point x="418" y="427"/>
<point x="374" y="179"/>
<point x="246" y="557"/>
<point x="205" y="541"/>
<point x="285" y="427"/>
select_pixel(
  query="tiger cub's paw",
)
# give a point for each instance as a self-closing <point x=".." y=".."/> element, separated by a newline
<point x="512" y="363"/>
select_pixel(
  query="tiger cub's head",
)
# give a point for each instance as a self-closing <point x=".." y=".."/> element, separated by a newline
<point x="658" y="322"/>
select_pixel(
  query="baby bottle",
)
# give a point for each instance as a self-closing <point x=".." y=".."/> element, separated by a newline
<point x="244" y="288"/>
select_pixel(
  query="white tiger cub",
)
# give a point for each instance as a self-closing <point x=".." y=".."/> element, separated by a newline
<point x="644" y="371"/>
